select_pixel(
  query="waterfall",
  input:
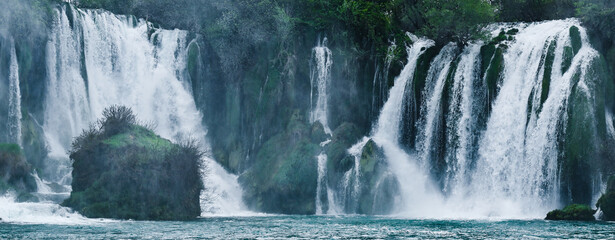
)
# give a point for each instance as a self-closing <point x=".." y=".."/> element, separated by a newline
<point x="490" y="161"/>
<point x="464" y="111"/>
<point x="14" y="117"/>
<point x="436" y="78"/>
<point x="97" y="59"/>
<point x="517" y="162"/>
<point x="416" y="192"/>
<point x="320" y="78"/>
<point x="321" y="181"/>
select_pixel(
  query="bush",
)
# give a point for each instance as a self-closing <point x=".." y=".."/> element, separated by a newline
<point x="459" y="20"/>
<point x="578" y="212"/>
<point x="124" y="170"/>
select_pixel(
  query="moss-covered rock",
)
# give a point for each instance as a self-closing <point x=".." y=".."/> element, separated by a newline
<point x="123" y="170"/>
<point x="606" y="203"/>
<point x="15" y="172"/>
<point x="575" y="39"/>
<point x="284" y="177"/>
<point x="378" y="186"/>
<point x="575" y="212"/>
<point x="492" y="67"/>
<point x="339" y="161"/>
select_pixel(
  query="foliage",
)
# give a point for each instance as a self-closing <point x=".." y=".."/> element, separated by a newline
<point x="124" y="170"/>
<point x="460" y="20"/>
<point x="606" y="203"/>
<point x="117" y="119"/>
<point x="578" y="212"/>
<point x="533" y="10"/>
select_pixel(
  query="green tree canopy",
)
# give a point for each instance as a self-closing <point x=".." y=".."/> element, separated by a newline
<point x="459" y="20"/>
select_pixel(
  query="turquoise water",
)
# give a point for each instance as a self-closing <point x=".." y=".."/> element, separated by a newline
<point x="314" y="227"/>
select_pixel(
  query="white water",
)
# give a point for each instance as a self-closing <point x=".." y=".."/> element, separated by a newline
<point x="436" y="78"/>
<point x="517" y="164"/>
<point x="14" y="117"/>
<point x="320" y="79"/>
<point x="40" y="213"/>
<point x="512" y="172"/>
<point x="119" y="64"/>
<point x="461" y="119"/>
<point x="418" y="198"/>
<point x="322" y="171"/>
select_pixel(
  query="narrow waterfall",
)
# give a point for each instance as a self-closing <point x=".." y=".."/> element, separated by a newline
<point x="320" y="78"/>
<point x="97" y="59"/>
<point x="466" y="105"/>
<point x="431" y="108"/>
<point x="14" y="117"/>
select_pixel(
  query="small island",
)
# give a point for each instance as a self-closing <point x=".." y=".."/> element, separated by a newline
<point x="573" y="212"/>
<point x="123" y="170"/>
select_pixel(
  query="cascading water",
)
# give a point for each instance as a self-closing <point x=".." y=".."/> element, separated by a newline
<point x="517" y="162"/>
<point x="97" y="59"/>
<point x="465" y="107"/>
<point x="417" y="196"/>
<point x="436" y="78"/>
<point x="498" y="161"/>
<point x="14" y="117"/>
<point x="414" y="184"/>
<point x="320" y="78"/>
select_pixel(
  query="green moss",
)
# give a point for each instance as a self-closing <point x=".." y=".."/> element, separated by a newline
<point x="338" y="160"/>
<point x="369" y="157"/>
<point x="10" y="148"/>
<point x="283" y="179"/>
<point x="606" y="203"/>
<point x="546" y="78"/>
<point x="493" y="71"/>
<point x="580" y="145"/>
<point x="512" y="31"/>
<point x="138" y="136"/>
<point x="577" y="212"/>
<point x="567" y="58"/>
<point x="133" y="173"/>
<point x="575" y="39"/>
<point x="15" y="171"/>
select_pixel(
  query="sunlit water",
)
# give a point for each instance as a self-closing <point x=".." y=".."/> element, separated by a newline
<point x="314" y="227"/>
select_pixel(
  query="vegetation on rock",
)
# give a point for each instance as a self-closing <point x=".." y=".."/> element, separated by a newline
<point x="606" y="203"/>
<point x="577" y="212"/>
<point x="15" y="172"/>
<point x="283" y="179"/>
<point x="124" y="170"/>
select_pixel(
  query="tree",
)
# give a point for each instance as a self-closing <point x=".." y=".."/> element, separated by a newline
<point x="459" y="20"/>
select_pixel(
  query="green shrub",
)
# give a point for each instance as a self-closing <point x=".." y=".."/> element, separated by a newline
<point x="124" y="170"/>
<point x="577" y="212"/>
